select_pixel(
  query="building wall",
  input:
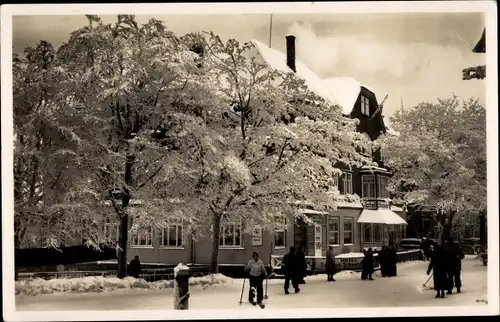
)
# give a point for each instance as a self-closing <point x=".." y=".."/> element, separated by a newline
<point x="201" y="254"/>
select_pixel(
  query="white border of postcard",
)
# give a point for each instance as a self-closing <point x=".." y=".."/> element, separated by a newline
<point x="7" y="11"/>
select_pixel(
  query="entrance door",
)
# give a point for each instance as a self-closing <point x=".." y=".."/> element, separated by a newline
<point x="300" y="236"/>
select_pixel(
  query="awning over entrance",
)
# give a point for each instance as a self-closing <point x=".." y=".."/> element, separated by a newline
<point x="380" y="216"/>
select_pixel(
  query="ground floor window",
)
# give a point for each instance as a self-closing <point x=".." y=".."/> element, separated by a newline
<point x="373" y="233"/>
<point x="348" y="230"/>
<point x="172" y="235"/>
<point x="230" y="235"/>
<point x="333" y="230"/>
<point x="143" y="237"/>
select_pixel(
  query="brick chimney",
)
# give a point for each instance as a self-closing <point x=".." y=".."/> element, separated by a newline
<point x="290" y="52"/>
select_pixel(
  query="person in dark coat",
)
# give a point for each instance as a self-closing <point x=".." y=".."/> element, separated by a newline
<point x="438" y="265"/>
<point x="392" y="261"/>
<point x="367" y="264"/>
<point x="134" y="267"/>
<point x="330" y="264"/>
<point x="291" y="270"/>
<point x="383" y="257"/>
<point x="426" y="248"/>
<point x="302" y="265"/>
<point x="455" y="256"/>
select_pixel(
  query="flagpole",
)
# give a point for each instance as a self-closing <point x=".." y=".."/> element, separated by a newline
<point x="270" y="29"/>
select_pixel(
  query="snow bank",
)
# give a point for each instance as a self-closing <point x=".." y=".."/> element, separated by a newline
<point x="92" y="284"/>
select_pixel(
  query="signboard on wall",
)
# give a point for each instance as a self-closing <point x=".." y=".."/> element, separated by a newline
<point x="257" y="236"/>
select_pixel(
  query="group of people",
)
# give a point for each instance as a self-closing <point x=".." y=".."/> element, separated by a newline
<point x="294" y="267"/>
<point x="446" y="265"/>
<point x="387" y="258"/>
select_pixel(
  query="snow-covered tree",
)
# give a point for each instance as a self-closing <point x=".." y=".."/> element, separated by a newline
<point x="261" y="145"/>
<point x="129" y="85"/>
<point x="440" y="151"/>
<point x="45" y="149"/>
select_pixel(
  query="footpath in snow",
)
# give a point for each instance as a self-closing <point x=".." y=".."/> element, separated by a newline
<point x="348" y="291"/>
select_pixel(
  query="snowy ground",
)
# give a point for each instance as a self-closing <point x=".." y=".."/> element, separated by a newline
<point x="348" y="291"/>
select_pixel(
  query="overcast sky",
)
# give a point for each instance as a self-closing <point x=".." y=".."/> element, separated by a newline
<point x="417" y="57"/>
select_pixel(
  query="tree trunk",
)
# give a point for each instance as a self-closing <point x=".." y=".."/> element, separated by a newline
<point x="448" y="224"/>
<point x="123" y="228"/>
<point x="214" y="261"/>
<point x="482" y="232"/>
<point x="123" y="241"/>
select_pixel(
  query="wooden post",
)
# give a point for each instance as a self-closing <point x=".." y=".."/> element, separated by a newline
<point x="181" y="287"/>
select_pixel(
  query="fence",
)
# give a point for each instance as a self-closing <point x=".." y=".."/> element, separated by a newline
<point x="150" y="275"/>
<point x="316" y="264"/>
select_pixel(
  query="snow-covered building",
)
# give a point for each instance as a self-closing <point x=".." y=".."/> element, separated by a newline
<point x="351" y="228"/>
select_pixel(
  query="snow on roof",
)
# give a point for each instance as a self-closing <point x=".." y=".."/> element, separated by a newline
<point x="345" y="90"/>
<point x="277" y="60"/>
<point x="312" y="212"/>
<point x="342" y="91"/>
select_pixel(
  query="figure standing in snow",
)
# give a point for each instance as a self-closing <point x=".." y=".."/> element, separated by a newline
<point x="134" y="267"/>
<point x="383" y="256"/>
<point x="438" y="265"/>
<point x="258" y="273"/>
<point x="392" y="259"/>
<point x="302" y="265"/>
<point x="289" y="266"/>
<point x="455" y="256"/>
<point x="367" y="264"/>
<point x="330" y="264"/>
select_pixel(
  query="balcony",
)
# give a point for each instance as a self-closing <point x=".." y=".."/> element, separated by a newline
<point x="371" y="203"/>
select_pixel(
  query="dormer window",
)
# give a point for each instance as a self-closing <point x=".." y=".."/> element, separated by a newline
<point x="365" y="105"/>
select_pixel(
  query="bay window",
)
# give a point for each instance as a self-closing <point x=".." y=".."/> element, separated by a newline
<point x="383" y="192"/>
<point x="368" y="186"/>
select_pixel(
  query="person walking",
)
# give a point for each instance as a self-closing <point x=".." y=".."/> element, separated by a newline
<point x="257" y="273"/>
<point x="367" y="263"/>
<point x="330" y="264"/>
<point x="134" y="267"/>
<point x="290" y="269"/>
<point x="455" y="256"/>
<point x="302" y="265"/>
<point x="438" y="265"/>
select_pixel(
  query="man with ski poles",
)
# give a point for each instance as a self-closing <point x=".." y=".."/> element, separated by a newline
<point x="257" y="273"/>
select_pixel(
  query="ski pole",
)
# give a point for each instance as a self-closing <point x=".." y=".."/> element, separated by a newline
<point x="242" y="290"/>
<point x="425" y="285"/>
<point x="267" y="279"/>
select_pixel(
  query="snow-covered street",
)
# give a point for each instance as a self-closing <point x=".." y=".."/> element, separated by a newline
<point x="348" y="291"/>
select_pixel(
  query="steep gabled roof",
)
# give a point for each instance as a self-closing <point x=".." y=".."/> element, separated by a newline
<point x="277" y="60"/>
<point x="346" y="91"/>
<point x="342" y="91"/>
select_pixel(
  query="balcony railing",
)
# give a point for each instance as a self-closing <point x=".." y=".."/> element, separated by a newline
<point x="371" y="203"/>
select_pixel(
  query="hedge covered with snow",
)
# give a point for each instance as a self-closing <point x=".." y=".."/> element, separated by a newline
<point x="90" y="284"/>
